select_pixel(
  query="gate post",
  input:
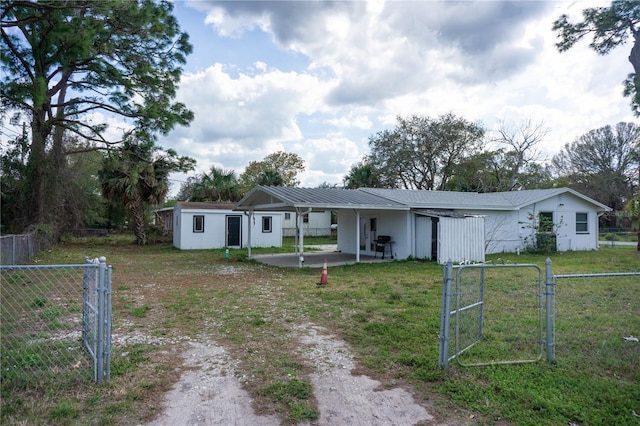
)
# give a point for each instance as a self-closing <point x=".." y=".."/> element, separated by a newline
<point x="447" y="279"/>
<point x="100" y="319"/>
<point x="550" y="295"/>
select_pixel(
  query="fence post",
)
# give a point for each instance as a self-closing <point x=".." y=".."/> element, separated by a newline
<point x="107" y="351"/>
<point x="447" y="272"/>
<point x="85" y="303"/>
<point x="101" y="320"/>
<point x="550" y="293"/>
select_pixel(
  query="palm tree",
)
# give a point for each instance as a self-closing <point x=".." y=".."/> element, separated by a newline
<point x="270" y="177"/>
<point x="218" y="185"/>
<point x="137" y="175"/>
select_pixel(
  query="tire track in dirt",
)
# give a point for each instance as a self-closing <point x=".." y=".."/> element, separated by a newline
<point x="210" y="390"/>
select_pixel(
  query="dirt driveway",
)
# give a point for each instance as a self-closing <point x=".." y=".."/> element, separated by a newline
<point x="211" y="393"/>
<point x="230" y="330"/>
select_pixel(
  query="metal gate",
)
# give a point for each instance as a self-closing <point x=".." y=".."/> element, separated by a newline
<point x="519" y="337"/>
<point x="51" y="314"/>
<point x="96" y="316"/>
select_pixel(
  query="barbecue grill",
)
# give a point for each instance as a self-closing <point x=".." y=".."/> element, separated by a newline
<point x="383" y="245"/>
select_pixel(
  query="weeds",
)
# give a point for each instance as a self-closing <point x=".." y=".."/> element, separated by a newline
<point x="388" y="313"/>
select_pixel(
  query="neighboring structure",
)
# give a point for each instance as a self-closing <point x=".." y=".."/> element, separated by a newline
<point x="163" y="218"/>
<point x="440" y="225"/>
<point x="314" y="224"/>
<point x="217" y="225"/>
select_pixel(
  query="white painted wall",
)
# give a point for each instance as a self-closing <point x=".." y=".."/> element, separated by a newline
<point x="215" y="228"/>
<point x="319" y="224"/>
<point x="504" y="231"/>
<point x="511" y="231"/>
<point x="461" y="239"/>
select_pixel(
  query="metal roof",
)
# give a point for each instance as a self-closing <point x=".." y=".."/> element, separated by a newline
<point x="512" y="200"/>
<point x="286" y="198"/>
<point x="203" y="205"/>
<point x="289" y="198"/>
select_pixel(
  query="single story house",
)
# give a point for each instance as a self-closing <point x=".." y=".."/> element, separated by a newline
<point x="314" y="224"/>
<point x="442" y="225"/>
<point x="204" y="225"/>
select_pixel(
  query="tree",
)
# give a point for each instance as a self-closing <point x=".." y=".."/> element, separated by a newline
<point x="603" y="164"/>
<point x="287" y="165"/>
<point x="79" y="205"/>
<point x="633" y="207"/>
<point x="217" y="185"/>
<point x="422" y="153"/>
<point x="137" y="175"/>
<point x="521" y="153"/>
<point x="362" y="175"/>
<point x="270" y="177"/>
<point x="66" y="62"/>
<point x="608" y="28"/>
<point x="514" y="165"/>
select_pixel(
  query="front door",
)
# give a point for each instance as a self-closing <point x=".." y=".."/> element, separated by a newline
<point x="234" y="225"/>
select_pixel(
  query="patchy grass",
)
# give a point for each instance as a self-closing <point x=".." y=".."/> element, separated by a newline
<point x="389" y="313"/>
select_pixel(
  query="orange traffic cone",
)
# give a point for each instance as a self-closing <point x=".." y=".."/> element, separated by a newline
<point x="323" y="278"/>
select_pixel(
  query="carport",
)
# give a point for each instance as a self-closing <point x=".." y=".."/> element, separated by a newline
<point x="315" y="259"/>
<point x="306" y="200"/>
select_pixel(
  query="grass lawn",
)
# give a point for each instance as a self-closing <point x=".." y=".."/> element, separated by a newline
<point x="389" y="313"/>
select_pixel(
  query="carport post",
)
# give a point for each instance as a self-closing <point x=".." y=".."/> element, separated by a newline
<point x="250" y="214"/>
<point x="357" y="227"/>
<point x="299" y="222"/>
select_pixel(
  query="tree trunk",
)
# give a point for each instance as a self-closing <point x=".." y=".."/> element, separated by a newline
<point x="137" y="216"/>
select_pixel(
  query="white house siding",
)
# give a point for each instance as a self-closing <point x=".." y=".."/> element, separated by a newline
<point x="502" y="231"/>
<point x="564" y="208"/>
<point x="392" y="223"/>
<point x="319" y="224"/>
<point x="461" y="239"/>
<point x="215" y="227"/>
<point x="512" y="231"/>
<point x="423" y="237"/>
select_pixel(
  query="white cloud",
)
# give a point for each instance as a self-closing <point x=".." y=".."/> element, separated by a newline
<point x="367" y="62"/>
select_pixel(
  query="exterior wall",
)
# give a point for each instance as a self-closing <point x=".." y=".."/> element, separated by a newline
<point x="502" y="229"/>
<point x="396" y="224"/>
<point x="512" y="231"/>
<point x="319" y="224"/>
<point x="564" y="208"/>
<point x="215" y="229"/>
<point x="164" y="219"/>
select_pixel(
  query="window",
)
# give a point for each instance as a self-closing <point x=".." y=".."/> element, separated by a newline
<point x="305" y="218"/>
<point x="266" y="224"/>
<point x="545" y="222"/>
<point x="287" y="216"/>
<point x="198" y="223"/>
<point x="582" y="223"/>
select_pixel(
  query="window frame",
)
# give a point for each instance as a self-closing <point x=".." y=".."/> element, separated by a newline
<point x="198" y="218"/>
<point x="267" y="224"/>
<point x="584" y="222"/>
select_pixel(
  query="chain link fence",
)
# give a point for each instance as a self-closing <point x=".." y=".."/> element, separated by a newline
<point x="19" y="249"/>
<point x="55" y="320"/>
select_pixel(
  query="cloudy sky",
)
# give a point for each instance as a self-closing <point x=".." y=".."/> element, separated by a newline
<point x="317" y="79"/>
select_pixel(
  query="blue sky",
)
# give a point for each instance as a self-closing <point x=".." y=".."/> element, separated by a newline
<point x="318" y="78"/>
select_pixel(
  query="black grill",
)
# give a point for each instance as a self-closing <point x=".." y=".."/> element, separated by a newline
<point x="383" y="243"/>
